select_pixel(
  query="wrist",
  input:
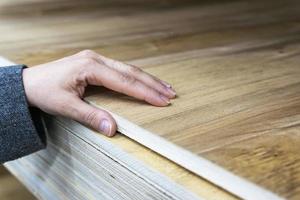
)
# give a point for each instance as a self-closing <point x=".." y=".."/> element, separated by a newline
<point x="27" y="86"/>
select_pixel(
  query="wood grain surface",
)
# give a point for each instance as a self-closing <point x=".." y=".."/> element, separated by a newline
<point x="234" y="65"/>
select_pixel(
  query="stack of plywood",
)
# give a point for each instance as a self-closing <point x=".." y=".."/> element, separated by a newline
<point x="235" y="123"/>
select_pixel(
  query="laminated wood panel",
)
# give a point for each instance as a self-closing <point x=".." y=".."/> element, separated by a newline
<point x="235" y="66"/>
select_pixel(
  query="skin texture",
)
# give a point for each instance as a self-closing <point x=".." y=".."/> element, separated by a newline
<point x="57" y="87"/>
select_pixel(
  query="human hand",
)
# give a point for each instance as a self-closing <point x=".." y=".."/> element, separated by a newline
<point x="57" y="87"/>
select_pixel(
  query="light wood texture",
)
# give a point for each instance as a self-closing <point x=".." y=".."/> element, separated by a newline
<point x="94" y="169"/>
<point x="200" y="166"/>
<point x="178" y="174"/>
<point x="235" y="66"/>
<point x="11" y="188"/>
<point x="48" y="178"/>
<point x="79" y="164"/>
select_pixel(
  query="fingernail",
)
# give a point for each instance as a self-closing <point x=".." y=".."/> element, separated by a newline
<point x="165" y="99"/>
<point x="171" y="91"/>
<point x="166" y="84"/>
<point x="105" y="126"/>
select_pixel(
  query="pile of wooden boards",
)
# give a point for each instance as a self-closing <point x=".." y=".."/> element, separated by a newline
<point x="235" y="123"/>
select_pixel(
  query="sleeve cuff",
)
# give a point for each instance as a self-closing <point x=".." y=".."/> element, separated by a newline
<point x="21" y="129"/>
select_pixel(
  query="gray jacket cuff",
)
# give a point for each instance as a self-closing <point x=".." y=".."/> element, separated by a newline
<point x="21" y="128"/>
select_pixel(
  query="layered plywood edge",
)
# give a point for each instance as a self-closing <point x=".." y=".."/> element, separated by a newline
<point x="234" y="65"/>
<point x="58" y="171"/>
<point x="198" y="165"/>
<point x="78" y="164"/>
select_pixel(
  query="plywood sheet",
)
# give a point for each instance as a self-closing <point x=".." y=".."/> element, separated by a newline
<point x="234" y="65"/>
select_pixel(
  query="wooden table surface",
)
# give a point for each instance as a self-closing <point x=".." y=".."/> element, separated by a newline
<point x="234" y="64"/>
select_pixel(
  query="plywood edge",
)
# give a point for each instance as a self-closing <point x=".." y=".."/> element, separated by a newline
<point x="151" y="176"/>
<point x="25" y="177"/>
<point x="196" y="164"/>
<point x="112" y="158"/>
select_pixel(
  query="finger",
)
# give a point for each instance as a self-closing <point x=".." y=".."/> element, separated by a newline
<point x="91" y="116"/>
<point x="134" y="71"/>
<point x="149" y="79"/>
<point x="141" y="75"/>
<point x="126" y="84"/>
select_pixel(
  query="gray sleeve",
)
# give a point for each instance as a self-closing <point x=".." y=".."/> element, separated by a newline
<point x="21" y="128"/>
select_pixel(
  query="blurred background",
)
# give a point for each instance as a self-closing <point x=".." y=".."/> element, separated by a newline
<point x="11" y="188"/>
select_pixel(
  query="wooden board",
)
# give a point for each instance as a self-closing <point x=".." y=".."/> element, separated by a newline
<point x="55" y="171"/>
<point x="45" y="182"/>
<point x="78" y="164"/>
<point x="11" y="188"/>
<point x="234" y="66"/>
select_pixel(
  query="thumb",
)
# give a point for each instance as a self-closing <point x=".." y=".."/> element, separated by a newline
<point x="93" y="117"/>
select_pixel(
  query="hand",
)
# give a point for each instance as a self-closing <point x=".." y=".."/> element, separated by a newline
<point x="58" y="87"/>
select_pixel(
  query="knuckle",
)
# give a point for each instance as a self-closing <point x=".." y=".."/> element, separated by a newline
<point x="127" y="79"/>
<point x="116" y="64"/>
<point x="88" y="62"/>
<point x="82" y="78"/>
<point x="90" y="118"/>
<point x="134" y="69"/>
<point x="87" y="53"/>
<point x="66" y="108"/>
